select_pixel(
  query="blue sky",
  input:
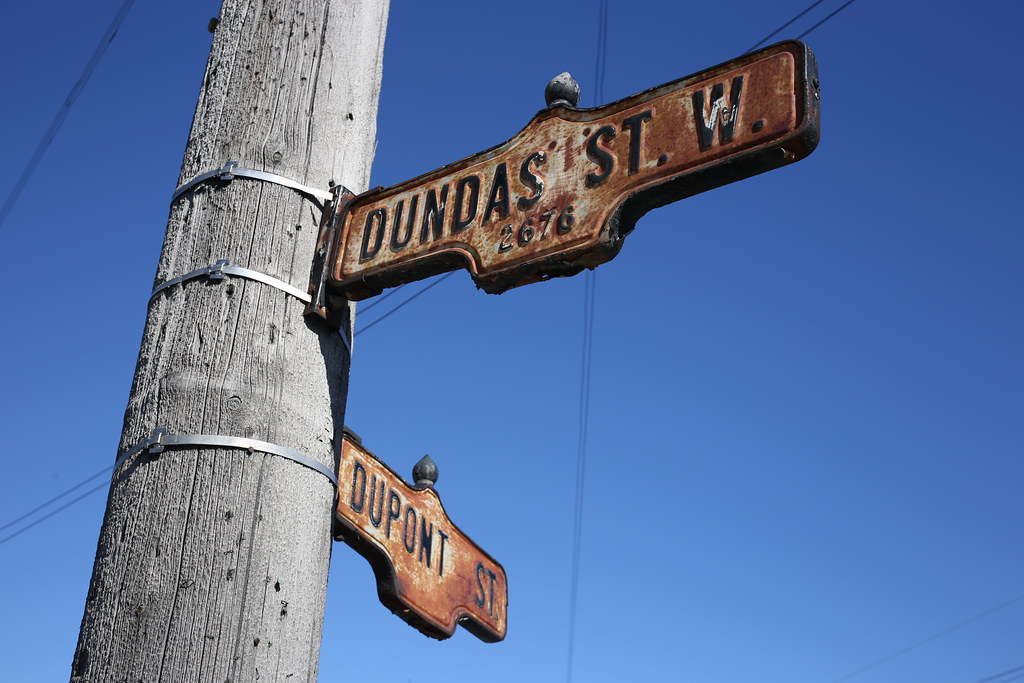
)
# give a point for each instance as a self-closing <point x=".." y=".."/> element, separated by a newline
<point x="805" y="437"/>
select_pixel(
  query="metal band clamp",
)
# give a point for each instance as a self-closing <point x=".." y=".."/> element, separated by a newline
<point x="159" y="439"/>
<point x="223" y="267"/>
<point x="232" y="170"/>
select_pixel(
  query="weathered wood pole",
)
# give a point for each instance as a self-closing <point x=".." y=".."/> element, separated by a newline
<point x="212" y="562"/>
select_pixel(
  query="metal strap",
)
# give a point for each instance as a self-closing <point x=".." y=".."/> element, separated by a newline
<point x="156" y="442"/>
<point x="223" y="267"/>
<point x="232" y="170"/>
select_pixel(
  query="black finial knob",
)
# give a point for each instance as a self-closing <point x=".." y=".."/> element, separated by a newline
<point x="424" y="473"/>
<point x="562" y="90"/>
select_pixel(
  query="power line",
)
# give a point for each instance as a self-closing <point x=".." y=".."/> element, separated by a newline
<point x="587" y="354"/>
<point x="86" y="480"/>
<point x="49" y="502"/>
<point x="381" y="299"/>
<point x="1001" y="674"/>
<point x="62" y="113"/>
<point x="841" y="8"/>
<point x="798" y="16"/>
<point x="977" y="616"/>
<point x="581" y="459"/>
<point x="776" y="31"/>
<point x="601" y="58"/>
<point x="399" y="306"/>
<point x="56" y="498"/>
<point x="929" y="639"/>
<point x="588" y="316"/>
<point x="53" y="512"/>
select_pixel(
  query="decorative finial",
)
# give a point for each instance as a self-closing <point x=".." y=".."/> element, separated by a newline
<point x="424" y="473"/>
<point x="562" y="90"/>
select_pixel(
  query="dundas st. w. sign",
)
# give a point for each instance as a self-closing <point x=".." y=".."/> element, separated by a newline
<point x="563" y="193"/>
<point x="557" y="198"/>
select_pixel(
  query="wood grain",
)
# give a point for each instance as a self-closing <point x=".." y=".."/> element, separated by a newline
<point x="212" y="563"/>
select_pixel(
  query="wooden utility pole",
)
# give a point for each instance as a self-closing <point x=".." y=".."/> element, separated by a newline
<point x="212" y="561"/>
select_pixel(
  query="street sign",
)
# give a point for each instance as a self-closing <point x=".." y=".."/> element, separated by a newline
<point x="562" y="194"/>
<point x="428" y="572"/>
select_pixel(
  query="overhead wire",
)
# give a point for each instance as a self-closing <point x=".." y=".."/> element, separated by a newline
<point x="796" y="18"/>
<point x="12" y="198"/>
<point x="85" y="481"/>
<point x="841" y="8"/>
<point x="584" y="393"/>
<point x="56" y="498"/>
<point x="581" y="460"/>
<point x="925" y="641"/>
<point x="409" y="300"/>
<point x="976" y="617"/>
<point x="999" y="675"/>
<point x="26" y="175"/>
<point x="601" y="59"/>
<point x="589" y="296"/>
<point x="784" y="26"/>
<point x="65" y="109"/>
<point x="381" y="299"/>
<point x="600" y="63"/>
<point x="53" y="512"/>
<point x="107" y="469"/>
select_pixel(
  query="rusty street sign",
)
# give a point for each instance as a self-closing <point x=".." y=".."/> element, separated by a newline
<point x="428" y="572"/>
<point x="562" y="194"/>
